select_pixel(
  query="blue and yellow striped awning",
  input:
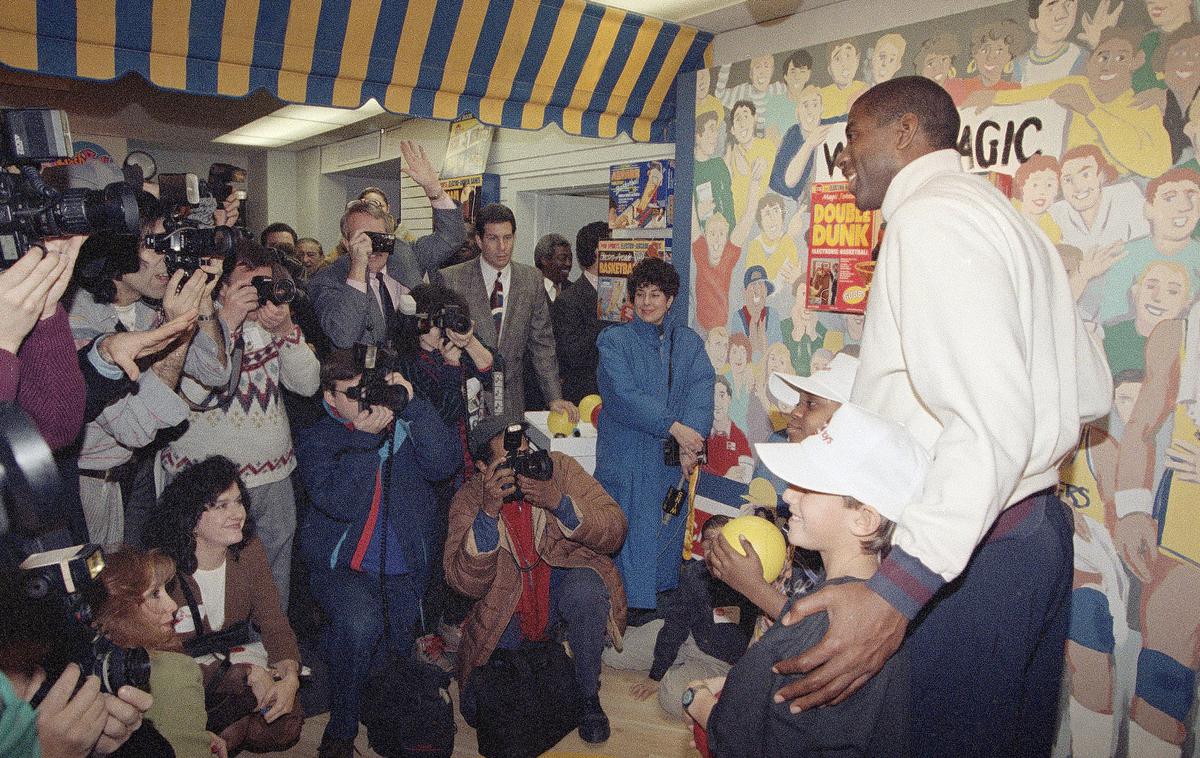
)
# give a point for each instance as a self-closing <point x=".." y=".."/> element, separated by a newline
<point x="593" y="70"/>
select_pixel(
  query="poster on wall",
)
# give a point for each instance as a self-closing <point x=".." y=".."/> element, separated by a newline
<point x="467" y="148"/>
<point x="472" y="192"/>
<point x="615" y="260"/>
<point x="641" y="195"/>
<point x="839" y="258"/>
<point x="1085" y="116"/>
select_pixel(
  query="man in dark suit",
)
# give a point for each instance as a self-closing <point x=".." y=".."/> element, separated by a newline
<point x="511" y="311"/>
<point x="576" y="323"/>
<point x="357" y="295"/>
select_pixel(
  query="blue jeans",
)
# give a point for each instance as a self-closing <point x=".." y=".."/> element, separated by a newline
<point x="350" y="642"/>
<point x="987" y="652"/>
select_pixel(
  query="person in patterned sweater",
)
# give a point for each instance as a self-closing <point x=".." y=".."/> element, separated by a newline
<point x="247" y="421"/>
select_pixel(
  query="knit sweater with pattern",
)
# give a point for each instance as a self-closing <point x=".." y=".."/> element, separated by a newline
<point x="251" y="427"/>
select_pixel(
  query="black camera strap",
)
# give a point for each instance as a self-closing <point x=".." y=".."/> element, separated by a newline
<point x="222" y="399"/>
<point x="670" y="362"/>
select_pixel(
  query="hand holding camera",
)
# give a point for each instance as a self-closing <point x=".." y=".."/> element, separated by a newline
<point x="499" y="483"/>
<point x="68" y="248"/>
<point x="184" y="293"/>
<point x="24" y="291"/>
<point x="236" y="305"/>
<point x="540" y="493"/>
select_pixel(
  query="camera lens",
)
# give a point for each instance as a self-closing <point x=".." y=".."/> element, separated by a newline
<point x="84" y="211"/>
<point x="117" y="666"/>
<point x="285" y="291"/>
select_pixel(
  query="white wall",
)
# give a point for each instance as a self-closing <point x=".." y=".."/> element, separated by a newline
<point x="534" y="169"/>
<point x="827" y="23"/>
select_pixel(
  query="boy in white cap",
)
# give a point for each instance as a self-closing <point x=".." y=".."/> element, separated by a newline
<point x="849" y="484"/>
<point x="814" y="398"/>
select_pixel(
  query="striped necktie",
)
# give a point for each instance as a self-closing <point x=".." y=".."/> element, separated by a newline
<point x="497" y="305"/>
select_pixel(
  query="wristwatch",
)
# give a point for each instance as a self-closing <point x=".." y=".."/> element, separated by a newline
<point x="689" y="695"/>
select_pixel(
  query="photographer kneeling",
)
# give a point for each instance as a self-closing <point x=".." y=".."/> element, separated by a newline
<point x="369" y="466"/>
<point x="536" y="554"/>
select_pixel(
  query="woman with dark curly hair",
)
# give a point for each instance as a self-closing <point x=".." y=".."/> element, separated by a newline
<point x="138" y="612"/>
<point x="203" y="525"/>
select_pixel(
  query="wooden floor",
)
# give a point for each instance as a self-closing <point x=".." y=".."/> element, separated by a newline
<point x="639" y="729"/>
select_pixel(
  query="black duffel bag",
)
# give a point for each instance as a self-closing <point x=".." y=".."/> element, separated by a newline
<point x="407" y="710"/>
<point x="526" y="700"/>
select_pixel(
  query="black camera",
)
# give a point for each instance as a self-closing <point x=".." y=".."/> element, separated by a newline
<point x="62" y="585"/>
<point x="449" y="318"/>
<point x="278" y="291"/>
<point x="534" y="464"/>
<point x="222" y="178"/>
<point x="671" y="452"/>
<point x="29" y="208"/>
<point x="186" y="246"/>
<point x="375" y="363"/>
<point x="381" y="242"/>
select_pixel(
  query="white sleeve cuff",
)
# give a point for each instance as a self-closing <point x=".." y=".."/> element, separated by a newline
<point x="1134" y="501"/>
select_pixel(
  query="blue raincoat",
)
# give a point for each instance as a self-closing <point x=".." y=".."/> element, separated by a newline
<point x="637" y="362"/>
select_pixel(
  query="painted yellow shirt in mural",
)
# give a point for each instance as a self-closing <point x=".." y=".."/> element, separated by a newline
<point x="837" y="101"/>
<point x="783" y="251"/>
<point x="1132" y="139"/>
<point x="1046" y="223"/>
<point x="1079" y="486"/>
<point x="758" y="148"/>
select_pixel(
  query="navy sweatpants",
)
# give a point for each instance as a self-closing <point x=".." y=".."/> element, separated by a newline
<point x="987" y="651"/>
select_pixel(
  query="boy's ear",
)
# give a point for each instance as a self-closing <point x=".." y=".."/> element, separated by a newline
<point x="865" y="521"/>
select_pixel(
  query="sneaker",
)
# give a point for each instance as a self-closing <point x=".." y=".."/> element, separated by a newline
<point x="593" y="723"/>
<point x="432" y="649"/>
<point x="335" y="747"/>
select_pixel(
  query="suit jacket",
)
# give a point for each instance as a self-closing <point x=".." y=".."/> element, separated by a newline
<point x="526" y="328"/>
<point x="576" y="329"/>
<point x="347" y="315"/>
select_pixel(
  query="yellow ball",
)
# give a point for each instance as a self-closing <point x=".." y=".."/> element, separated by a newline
<point x="587" y="405"/>
<point x="764" y="537"/>
<point x="560" y="424"/>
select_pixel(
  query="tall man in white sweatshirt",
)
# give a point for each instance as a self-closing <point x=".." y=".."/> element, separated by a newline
<point x="972" y="341"/>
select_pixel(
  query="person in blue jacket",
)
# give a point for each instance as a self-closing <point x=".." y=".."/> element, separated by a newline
<point x="358" y="496"/>
<point x="656" y="383"/>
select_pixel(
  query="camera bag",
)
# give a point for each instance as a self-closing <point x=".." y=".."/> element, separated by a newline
<point x="527" y="700"/>
<point x="407" y="710"/>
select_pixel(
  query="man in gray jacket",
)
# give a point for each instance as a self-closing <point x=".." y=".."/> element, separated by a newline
<point x="356" y="296"/>
<point x="508" y="304"/>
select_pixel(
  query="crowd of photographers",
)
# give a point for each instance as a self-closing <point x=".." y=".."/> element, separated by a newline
<point x="210" y="399"/>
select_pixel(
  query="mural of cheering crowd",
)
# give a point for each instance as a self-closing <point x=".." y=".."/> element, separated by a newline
<point x="1085" y="115"/>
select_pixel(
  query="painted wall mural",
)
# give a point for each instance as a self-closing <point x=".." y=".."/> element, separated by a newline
<point x="1085" y="115"/>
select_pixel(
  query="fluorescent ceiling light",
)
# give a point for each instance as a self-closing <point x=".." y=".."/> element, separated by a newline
<point x="678" y="11"/>
<point x="293" y="123"/>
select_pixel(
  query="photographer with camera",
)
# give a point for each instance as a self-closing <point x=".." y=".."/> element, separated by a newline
<point x="76" y="716"/>
<point x="245" y="420"/>
<point x="530" y="537"/>
<point x="656" y="383"/>
<point x="119" y="278"/>
<point x="369" y="467"/>
<point x="357" y="295"/>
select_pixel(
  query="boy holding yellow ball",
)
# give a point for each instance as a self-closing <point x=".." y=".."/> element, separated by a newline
<point x="849" y="484"/>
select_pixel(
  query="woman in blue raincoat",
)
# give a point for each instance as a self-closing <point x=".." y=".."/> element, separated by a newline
<point x="657" y="384"/>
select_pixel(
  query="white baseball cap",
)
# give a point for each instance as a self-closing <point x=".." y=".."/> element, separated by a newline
<point x="834" y="382"/>
<point x="858" y="453"/>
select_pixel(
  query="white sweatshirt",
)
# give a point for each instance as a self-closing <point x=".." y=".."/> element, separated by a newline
<point x="972" y="340"/>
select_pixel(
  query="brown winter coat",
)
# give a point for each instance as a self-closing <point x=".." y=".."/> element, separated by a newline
<point x="493" y="577"/>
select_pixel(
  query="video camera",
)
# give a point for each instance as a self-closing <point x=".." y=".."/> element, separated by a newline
<point x="448" y="318"/>
<point x="64" y="582"/>
<point x="31" y="210"/>
<point x="186" y="246"/>
<point x="56" y="590"/>
<point x="534" y="464"/>
<point x="376" y="363"/>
